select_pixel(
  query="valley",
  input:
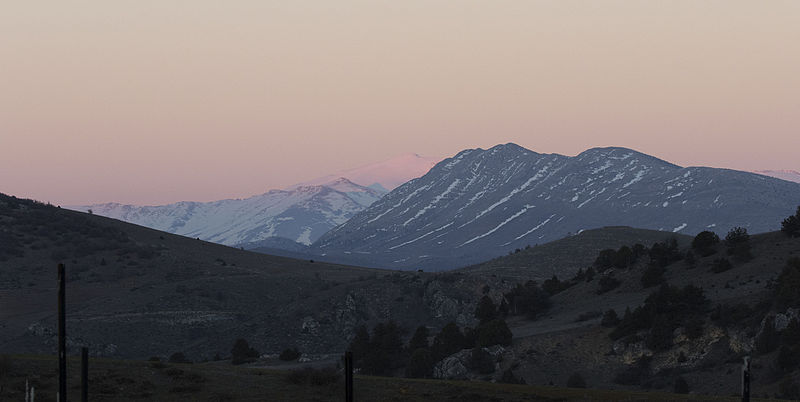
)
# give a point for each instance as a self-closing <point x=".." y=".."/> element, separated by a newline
<point x="196" y="298"/>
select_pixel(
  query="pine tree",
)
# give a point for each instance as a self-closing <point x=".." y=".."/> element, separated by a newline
<point x="486" y="310"/>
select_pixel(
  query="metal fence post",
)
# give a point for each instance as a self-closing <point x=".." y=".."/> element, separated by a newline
<point x="348" y="372"/>
<point x="746" y="379"/>
<point x="84" y="374"/>
<point x="62" y="337"/>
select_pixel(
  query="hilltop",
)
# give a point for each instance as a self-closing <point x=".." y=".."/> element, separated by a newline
<point x="564" y="257"/>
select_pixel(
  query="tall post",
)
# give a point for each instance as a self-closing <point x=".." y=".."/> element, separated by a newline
<point x="84" y="374"/>
<point x="746" y="379"/>
<point x="62" y="337"/>
<point x="348" y="379"/>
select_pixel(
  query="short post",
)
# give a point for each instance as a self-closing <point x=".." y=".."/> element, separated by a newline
<point x="62" y="337"/>
<point x="84" y="374"/>
<point x="348" y="376"/>
<point x="746" y="379"/>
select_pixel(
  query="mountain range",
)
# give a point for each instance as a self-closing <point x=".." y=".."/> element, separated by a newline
<point x="483" y="203"/>
<point x="284" y="219"/>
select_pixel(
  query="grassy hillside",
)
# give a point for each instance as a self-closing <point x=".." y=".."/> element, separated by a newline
<point x="137" y="292"/>
<point x="133" y="292"/>
<point x="569" y="339"/>
<point x="565" y="256"/>
<point x="112" y="380"/>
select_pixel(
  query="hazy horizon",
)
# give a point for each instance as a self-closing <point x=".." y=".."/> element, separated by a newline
<point x="150" y="102"/>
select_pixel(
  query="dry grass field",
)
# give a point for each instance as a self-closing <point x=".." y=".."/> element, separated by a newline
<point x="127" y="380"/>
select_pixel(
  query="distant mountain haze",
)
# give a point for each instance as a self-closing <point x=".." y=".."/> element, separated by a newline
<point x="286" y="219"/>
<point x="482" y="203"/>
<point x="301" y="214"/>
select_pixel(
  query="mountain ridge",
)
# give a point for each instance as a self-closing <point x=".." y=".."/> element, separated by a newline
<point x="301" y="214"/>
<point x="480" y="203"/>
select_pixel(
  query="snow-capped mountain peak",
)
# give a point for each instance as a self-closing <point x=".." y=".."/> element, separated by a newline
<point x="481" y="203"/>
<point x="301" y="214"/>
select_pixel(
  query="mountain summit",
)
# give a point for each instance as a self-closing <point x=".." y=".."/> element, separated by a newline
<point x="482" y="203"/>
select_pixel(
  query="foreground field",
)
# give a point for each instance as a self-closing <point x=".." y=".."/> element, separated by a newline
<point x="219" y="381"/>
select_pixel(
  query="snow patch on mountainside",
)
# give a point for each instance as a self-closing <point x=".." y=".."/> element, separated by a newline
<point x="477" y="204"/>
<point x="302" y="214"/>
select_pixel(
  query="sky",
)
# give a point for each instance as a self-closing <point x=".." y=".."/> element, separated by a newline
<point x="150" y="102"/>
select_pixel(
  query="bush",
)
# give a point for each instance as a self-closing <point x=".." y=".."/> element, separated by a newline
<point x="289" y="354"/>
<point x="738" y="244"/>
<point x="481" y="361"/>
<point x="704" y="243"/>
<point x="664" y="310"/>
<point x="448" y="341"/>
<point x="589" y="315"/>
<point x="576" y="381"/>
<point x="553" y="285"/>
<point x="693" y="328"/>
<point x="652" y="276"/>
<point x="732" y="315"/>
<point x="590" y="273"/>
<point x="383" y="351"/>
<point x="242" y="352"/>
<point x="605" y="259"/>
<point x="690" y="260"/>
<point x="528" y="299"/>
<point x="788" y="359"/>
<point x="788" y="389"/>
<point x="681" y="386"/>
<point x="607" y="283"/>
<point x="5" y="366"/>
<point x="609" y="319"/>
<point x="665" y="253"/>
<point x="420" y="339"/>
<point x="633" y="375"/>
<point x="420" y="365"/>
<point x="787" y="289"/>
<point x="721" y="265"/>
<point x="791" y="225"/>
<point x="494" y="332"/>
<point x="790" y="335"/>
<point x="485" y="311"/>
<point x="508" y="377"/>
<point x="769" y="339"/>
<point x="660" y="336"/>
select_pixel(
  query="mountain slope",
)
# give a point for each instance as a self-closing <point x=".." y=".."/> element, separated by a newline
<point x="565" y="256"/>
<point x="788" y="175"/>
<point x="301" y="214"/>
<point x="481" y="203"/>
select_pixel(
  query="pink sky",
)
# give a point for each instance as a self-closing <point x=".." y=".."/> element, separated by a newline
<point x="153" y="102"/>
